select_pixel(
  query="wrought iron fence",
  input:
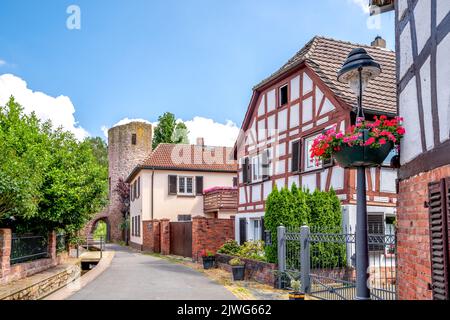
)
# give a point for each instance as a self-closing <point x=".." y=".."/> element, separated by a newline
<point x="61" y="242"/>
<point x="324" y="259"/>
<point x="26" y="248"/>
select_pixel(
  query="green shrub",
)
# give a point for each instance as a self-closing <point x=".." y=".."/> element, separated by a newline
<point x="253" y="250"/>
<point x="231" y="247"/>
<point x="295" y="208"/>
<point x="236" y="262"/>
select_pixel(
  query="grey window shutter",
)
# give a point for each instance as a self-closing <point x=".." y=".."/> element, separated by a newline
<point x="245" y="171"/>
<point x="199" y="185"/>
<point x="265" y="164"/>
<point x="242" y="230"/>
<point x="172" y="185"/>
<point x="263" y="230"/>
<point x="296" y="156"/>
<point x="439" y="193"/>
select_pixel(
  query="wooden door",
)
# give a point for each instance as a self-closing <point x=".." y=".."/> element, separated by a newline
<point x="181" y="239"/>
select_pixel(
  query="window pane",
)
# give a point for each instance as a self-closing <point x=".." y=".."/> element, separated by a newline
<point x="310" y="162"/>
<point x="181" y="185"/>
<point x="189" y="185"/>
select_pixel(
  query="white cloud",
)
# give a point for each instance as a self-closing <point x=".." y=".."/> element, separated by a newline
<point x="60" y="110"/>
<point x="214" y="133"/>
<point x="363" y="4"/>
<point x="2" y="62"/>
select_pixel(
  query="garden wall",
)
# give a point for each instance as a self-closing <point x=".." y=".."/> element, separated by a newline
<point x="210" y="234"/>
<point x="262" y="272"/>
<point x="9" y="273"/>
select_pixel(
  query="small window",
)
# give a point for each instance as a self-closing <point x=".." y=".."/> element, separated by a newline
<point x="257" y="175"/>
<point x="133" y="139"/>
<point x="256" y="224"/>
<point x="284" y="95"/>
<point x="185" y="185"/>
<point x="184" y="217"/>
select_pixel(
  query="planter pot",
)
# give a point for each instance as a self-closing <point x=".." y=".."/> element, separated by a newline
<point x="208" y="262"/>
<point x="357" y="156"/>
<point x="238" y="273"/>
<point x="296" y="296"/>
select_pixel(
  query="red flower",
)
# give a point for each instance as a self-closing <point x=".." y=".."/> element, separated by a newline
<point x="401" y="130"/>
<point x="382" y="141"/>
<point x="370" y="141"/>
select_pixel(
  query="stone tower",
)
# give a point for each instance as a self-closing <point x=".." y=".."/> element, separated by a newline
<point x="128" y="145"/>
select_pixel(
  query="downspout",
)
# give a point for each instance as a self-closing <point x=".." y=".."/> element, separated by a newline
<point x="153" y="174"/>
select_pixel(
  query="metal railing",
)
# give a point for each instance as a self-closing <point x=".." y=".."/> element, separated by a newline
<point x="90" y="243"/>
<point x="26" y="248"/>
<point x="324" y="260"/>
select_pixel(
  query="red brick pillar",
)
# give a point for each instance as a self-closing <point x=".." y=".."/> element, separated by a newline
<point x="198" y="225"/>
<point x="151" y="236"/>
<point x="5" y="253"/>
<point x="165" y="236"/>
<point x="52" y="246"/>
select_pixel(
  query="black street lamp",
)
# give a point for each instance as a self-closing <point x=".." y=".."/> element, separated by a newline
<point x="357" y="71"/>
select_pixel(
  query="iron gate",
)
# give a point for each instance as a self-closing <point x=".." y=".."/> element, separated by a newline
<point x="324" y="260"/>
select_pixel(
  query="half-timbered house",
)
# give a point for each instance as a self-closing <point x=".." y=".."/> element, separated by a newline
<point x="286" y="113"/>
<point x="423" y="70"/>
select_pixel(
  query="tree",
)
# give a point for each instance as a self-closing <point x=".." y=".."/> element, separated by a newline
<point x="24" y="157"/>
<point x="99" y="149"/>
<point x="48" y="179"/>
<point x="169" y="131"/>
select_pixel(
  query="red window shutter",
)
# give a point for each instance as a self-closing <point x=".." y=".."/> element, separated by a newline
<point x="438" y="214"/>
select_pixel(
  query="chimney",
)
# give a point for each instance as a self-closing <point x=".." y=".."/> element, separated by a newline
<point x="201" y="142"/>
<point x="379" y="42"/>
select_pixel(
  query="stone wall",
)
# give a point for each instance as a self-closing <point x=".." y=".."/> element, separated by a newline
<point x="210" y="234"/>
<point x="413" y="239"/>
<point x="262" y="272"/>
<point x="123" y="157"/>
<point x="41" y="285"/>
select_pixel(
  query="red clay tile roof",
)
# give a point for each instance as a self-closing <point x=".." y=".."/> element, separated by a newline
<point x="188" y="157"/>
<point x="325" y="56"/>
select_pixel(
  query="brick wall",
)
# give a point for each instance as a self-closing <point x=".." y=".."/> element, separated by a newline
<point x="413" y="242"/>
<point x="258" y="271"/>
<point x="165" y="236"/>
<point x="151" y="236"/>
<point x="210" y="234"/>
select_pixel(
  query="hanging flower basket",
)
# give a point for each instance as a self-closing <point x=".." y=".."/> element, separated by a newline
<point x="368" y="143"/>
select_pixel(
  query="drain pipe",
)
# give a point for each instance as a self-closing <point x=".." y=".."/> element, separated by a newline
<point x="153" y="175"/>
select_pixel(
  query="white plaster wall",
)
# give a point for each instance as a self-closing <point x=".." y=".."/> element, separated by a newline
<point x="410" y="144"/>
<point x="387" y="180"/>
<point x="170" y="206"/>
<point x="280" y="167"/>
<point x="307" y="110"/>
<point x="136" y="208"/>
<point x="309" y="181"/>
<point x="242" y="198"/>
<point x="261" y="130"/>
<point x="307" y="84"/>
<point x="294" y="119"/>
<point x="256" y="193"/>
<point x="280" y="183"/>
<point x="443" y="8"/>
<point x="337" y="178"/>
<point x="293" y="179"/>
<point x="271" y="124"/>
<point x="443" y="86"/>
<point x="271" y="100"/>
<point x="295" y="88"/>
<point x="267" y="189"/>
<point x="282" y="120"/>
<point x="425" y="76"/>
<point x="422" y="14"/>
<point x="262" y="107"/>
<point x="406" y="58"/>
<point x="403" y="5"/>
<point x="327" y="107"/>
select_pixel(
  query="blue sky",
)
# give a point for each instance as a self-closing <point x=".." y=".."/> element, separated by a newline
<point x="140" y="58"/>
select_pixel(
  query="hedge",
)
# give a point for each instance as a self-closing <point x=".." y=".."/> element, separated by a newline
<point x="295" y="208"/>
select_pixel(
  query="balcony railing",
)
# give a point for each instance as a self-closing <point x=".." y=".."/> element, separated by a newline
<point x="220" y="199"/>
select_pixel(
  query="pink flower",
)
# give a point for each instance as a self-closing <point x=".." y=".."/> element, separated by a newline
<point x="339" y="135"/>
<point x="401" y="130"/>
<point x="370" y="141"/>
<point x="382" y="141"/>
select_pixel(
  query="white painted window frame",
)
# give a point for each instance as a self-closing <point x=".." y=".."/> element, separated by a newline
<point x="185" y="193"/>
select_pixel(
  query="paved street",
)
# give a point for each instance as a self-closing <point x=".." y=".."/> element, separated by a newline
<point x="134" y="276"/>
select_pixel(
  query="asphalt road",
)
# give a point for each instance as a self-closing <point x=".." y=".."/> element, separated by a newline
<point x="134" y="276"/>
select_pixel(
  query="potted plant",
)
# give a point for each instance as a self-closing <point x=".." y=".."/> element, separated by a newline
<point x="295" y="294"/>
<point x="238" y="268"/>
<point x="368" y="143"/>
<point x="208" y="258"/>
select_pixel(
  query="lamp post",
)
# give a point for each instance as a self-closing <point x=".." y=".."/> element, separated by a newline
<point x="357" y="71"/>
